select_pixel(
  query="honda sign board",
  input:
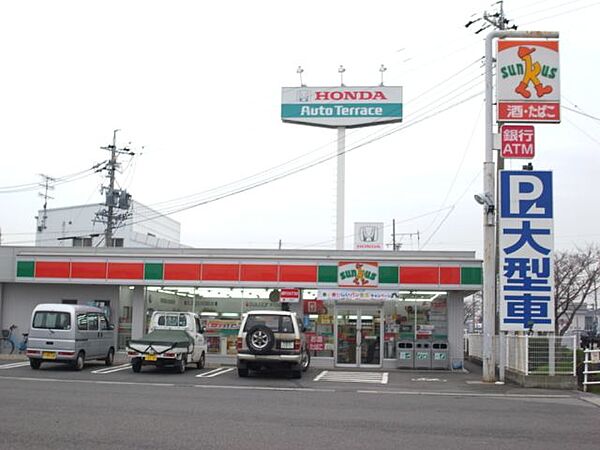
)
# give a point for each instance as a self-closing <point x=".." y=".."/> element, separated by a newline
<point x="528" y="81"/>
<point x="368" y="236"/>
<point x="341" y="106"/>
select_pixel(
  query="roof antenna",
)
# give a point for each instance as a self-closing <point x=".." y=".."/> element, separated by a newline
<point x="381" y="70"/>
<point x="299" y="71"/>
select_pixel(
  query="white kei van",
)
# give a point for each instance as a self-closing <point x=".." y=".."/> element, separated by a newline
<point x="69" y="334"/>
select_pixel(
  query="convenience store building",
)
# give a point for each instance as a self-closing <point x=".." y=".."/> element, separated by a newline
<point x="359" y="308"/>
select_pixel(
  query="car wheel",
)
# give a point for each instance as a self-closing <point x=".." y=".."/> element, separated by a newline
<point x="35" y="363"/>
<point x="180" y="364"/>
<point x="202" y="361"/>
<point x="110" y="358"/>
<point x="136" y="364"/>
<point x="79" y="361"/>
<point x="242" y="372"/>
<point x="305" y="360"/>
<point x="260" y="339"/>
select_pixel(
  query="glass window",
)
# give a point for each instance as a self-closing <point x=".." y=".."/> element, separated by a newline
<point x="92" y="322"/>
<point x="82" y="322"/>
<point x="278" y="324"/>
<point x="52" y="320"/>
<point x="172" y="320"/>
<point x="198" y="327"/>
<point x="103" y="322"/>
<point x="319" y="322"/>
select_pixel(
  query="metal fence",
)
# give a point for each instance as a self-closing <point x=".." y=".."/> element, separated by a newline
<point x="529" y="355"/>
<point x="541" y="355"/>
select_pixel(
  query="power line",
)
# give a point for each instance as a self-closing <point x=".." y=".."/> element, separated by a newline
<point x="305" y="167"/>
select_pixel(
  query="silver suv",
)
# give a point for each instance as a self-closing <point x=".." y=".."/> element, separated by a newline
<point x="271" y="340"/>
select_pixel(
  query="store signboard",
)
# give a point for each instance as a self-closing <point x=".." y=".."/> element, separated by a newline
<point x="357" y="295"/>
<point x="217" y="324"/>
<point x="341" y="106"/>
<point x="526" y="246"/>
<point x="368" y="236"/>
<point x="358" y="274"/>
<point x="316" y="343"/>
<point x="517" y="141"/>
<point x="528" y="81"/>
<point x="289" y="296"/>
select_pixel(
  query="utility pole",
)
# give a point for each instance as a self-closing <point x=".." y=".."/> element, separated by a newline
<point x="46" y="185"/>
<point x="111" y="187"/>
<point x="499" y="22"/>
<point x="115" y="198"/>
<point x="397" y="245"/>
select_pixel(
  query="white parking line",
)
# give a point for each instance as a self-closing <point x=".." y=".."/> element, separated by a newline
<point x="14" y="365"/>
<point x="353" y="377"/>
<point x="215" y="372"/>
<point x="106" y="370"/>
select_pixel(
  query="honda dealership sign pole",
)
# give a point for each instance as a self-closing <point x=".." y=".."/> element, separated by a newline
<point x="341" y="107"/>
<point x="489" y="235"/>
<point x="341" y="182"/>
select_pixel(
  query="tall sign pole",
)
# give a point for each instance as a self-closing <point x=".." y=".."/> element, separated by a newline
<point x="489" y="232"/>
<point x="341" y="183"/>
<point x="341" y="108"/>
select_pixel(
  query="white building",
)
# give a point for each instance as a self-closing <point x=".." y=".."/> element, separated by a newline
<point x="74" y="226"/>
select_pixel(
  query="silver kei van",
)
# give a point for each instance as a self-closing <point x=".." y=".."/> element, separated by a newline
<point x="69" y="334"/>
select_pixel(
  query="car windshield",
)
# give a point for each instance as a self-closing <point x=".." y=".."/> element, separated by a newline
<point x="52" y="319"/>
<point x="278" y="324"/>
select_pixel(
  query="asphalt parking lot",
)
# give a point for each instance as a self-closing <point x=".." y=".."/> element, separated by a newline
<point x="336" y="409"/>
<point x="404" y="382"/>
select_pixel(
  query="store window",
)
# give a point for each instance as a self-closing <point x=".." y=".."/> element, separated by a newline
<point x="415" y="319"/>
<point x="320" y="331"/>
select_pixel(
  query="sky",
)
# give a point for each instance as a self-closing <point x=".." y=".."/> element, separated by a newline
<point x="195" y="90"/>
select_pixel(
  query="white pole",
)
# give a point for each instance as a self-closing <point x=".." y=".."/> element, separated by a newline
<point x="489" y="235"/>
<point x="341" y="175"/>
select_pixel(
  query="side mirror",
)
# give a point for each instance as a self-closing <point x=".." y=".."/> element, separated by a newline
<point x="202" y="330"/>
<point x="111" y="326"/>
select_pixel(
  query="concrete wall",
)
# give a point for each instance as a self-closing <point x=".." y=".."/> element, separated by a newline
<point x="456" y="314"/>
<point x="18" y="300"/>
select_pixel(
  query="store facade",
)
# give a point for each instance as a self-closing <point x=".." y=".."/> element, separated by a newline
<point x="360" y="309"/>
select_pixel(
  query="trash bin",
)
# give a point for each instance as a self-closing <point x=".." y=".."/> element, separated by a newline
<point x="423" y="355"/>
<point x="405" y="354"/>
<point x="439" y="355"/>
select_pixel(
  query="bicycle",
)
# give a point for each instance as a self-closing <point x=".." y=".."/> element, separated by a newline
<point x="8" y="342"/>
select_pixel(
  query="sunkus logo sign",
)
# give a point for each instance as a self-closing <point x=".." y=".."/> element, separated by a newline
<point x="358" y="274"/>
<point x="341" y="106"/>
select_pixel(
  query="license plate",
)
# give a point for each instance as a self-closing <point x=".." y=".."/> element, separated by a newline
<point x="150" y="358"/>
<point x="48" y="355"/>
<point x="287" y="344"/>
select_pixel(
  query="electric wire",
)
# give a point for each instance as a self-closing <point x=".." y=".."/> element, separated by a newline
<point x="303" y="168"/>
<point x="451" y="94"/>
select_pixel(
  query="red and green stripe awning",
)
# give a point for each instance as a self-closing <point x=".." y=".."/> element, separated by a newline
<point x="238" y="273"/>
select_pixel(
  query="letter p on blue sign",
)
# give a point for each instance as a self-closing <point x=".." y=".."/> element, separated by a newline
<point x="526" y="194"/>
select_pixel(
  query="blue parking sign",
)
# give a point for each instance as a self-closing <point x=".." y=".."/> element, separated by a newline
<point x="526" y="243"/>
<point x="526" y="194"/>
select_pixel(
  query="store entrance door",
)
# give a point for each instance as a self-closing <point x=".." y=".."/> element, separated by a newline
<point x="358" y="335"/>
